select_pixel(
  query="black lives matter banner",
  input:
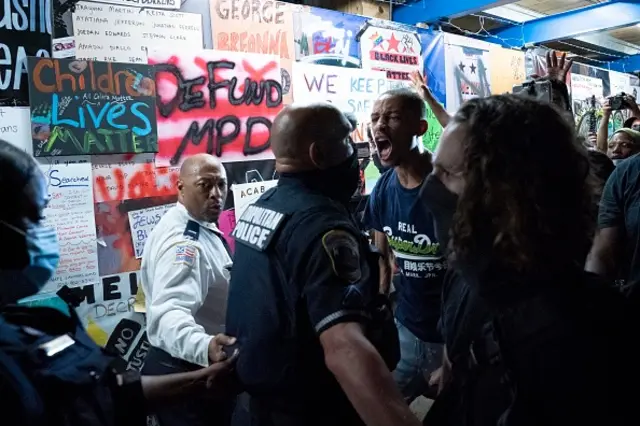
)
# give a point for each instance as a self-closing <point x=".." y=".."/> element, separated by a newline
<point x="25" y="30"/>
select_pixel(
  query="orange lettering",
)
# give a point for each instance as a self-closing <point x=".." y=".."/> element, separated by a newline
<point x="61" y="77"/>
<point x="234" y="42"/>
<point x="223" y="41"/>
<point x="273" y="44"/>
<point x="243" y="41"/>
<point x="37" y="81"/>
<point x="265" y="43"/>
<point x="262" y="43"/>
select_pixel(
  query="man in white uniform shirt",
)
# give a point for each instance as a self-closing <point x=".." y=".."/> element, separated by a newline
<point x="185" y="274"/>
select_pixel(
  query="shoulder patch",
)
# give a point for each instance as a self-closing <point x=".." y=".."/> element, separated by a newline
<point x="344" y="251"/>
<point x="257" y="226"/>
<point x="186" y="254"/>
<point x="192" y="230"/>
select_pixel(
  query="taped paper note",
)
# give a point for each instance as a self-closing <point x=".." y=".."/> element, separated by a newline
<point x="142" y="223"/>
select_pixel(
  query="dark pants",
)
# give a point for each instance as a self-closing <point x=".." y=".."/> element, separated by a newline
<point x="196" y="410"/>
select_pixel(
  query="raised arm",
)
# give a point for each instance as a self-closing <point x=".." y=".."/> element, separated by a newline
<point x="420" y="85"/>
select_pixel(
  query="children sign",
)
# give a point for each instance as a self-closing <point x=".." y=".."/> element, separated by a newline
<point x="84" y="107"/>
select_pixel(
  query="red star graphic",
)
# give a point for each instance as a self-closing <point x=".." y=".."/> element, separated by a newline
<point x="393" y="43"/>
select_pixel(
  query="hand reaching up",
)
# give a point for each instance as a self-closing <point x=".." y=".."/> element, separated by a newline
<point x="558" y="69"/>
<point x="419" y="84"/>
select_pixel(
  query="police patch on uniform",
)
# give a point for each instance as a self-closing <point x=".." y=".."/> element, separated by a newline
<point x="344" y="251"/>
<point x="186" y="254"/>
<point x="257" y="226"/>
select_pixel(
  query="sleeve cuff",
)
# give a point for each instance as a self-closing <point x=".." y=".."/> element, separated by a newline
<point x="202" y="354"/>
<point x="197" y="354"/>
<point x="341" y="316"/>
<point x="609" y="223"/>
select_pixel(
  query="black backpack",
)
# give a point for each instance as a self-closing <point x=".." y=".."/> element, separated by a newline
<point x="53" y="374"/>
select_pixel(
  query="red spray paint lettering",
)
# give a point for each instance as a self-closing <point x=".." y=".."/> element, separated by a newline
<point x="221" y="103"/>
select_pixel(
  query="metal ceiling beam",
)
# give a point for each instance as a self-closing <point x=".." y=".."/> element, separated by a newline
<point x="431" y="11"/>
<point x="628" y="64"/>
<point x="517" y="15"/>
<point x="572" y="24"/>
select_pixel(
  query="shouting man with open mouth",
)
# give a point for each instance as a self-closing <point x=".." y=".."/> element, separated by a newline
<point x="404" y="231"/>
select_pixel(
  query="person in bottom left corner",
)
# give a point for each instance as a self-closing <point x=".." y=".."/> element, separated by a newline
<point x="184" y="275"/>
<point x="51" y="372"/>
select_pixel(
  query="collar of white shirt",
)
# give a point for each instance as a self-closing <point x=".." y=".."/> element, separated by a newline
<point x="209" y="225"/>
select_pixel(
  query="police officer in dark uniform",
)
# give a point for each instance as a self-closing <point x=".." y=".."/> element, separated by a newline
<point x="51" y="372"/>
<point x="303" y="299"/>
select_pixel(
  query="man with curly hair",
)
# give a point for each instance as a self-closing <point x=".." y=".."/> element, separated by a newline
<point x="519" y="221"/>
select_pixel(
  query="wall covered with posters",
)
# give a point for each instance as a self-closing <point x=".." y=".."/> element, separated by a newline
<point x="115" y="95"/>
<point x="589" y="86"/>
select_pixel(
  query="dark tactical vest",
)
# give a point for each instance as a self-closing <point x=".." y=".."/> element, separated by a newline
<point x="281" y="356"/>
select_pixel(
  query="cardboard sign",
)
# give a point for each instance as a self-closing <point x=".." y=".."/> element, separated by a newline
<point x="85" y="107"/>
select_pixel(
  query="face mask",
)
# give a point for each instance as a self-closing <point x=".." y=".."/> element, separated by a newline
<point x="343" y="180"/>
<point x="338" y="182"/>
<point x="44" y="255"/>
<point x="442" y="204"/>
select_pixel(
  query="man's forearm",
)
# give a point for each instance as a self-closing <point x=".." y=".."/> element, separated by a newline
<point x="385" y="262"/>
<point x="366" y="380"/>
<point x="157" y="389"/>
<point x="386" y="275"/>
<point x="603" y="134"/>
<point x="604" y="254"/>
<point x="601" y="264"/>
<point x="441" y="114"/>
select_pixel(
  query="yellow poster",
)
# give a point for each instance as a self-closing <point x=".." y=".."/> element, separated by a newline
<point x="507" y="69"/>
<point x="257" y="26"/>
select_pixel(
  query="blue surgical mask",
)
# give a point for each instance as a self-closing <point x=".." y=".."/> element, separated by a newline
<point x="43" y="251"/>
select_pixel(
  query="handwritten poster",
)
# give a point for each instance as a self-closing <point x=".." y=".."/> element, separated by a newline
<point x="222" y="103"/>
<point x="507" y="69"/>
<point x="70" y="213"/>
<point x="260" y="26"/>
<point x="107" y="313"/>
<point x="142" y="223"/>
<point x="116" y="253"/>
<point x="620" y="83"/>
<point x="350" y="89"/>
<point x="130" y="176"/>
<point x="396" y="52"/>
<point x="584" y="87"/>
<point x="467" y="69"/>
<point x="155" y="4"/>
<point x="15" y="127"/>
<point x="125" y="34"/>
<point x="245" y="194"/>
<point x="84" y="107"/>
<point x="25" y="30"/>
